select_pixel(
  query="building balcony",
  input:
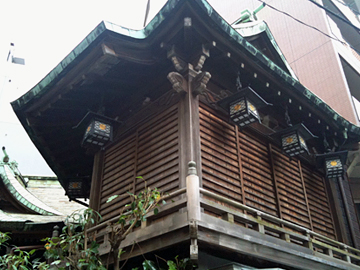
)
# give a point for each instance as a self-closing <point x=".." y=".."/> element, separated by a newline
<point x="199" y="220"/>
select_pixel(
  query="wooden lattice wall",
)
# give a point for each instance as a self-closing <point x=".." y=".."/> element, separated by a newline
<point x="151" y="151"/>
<point x="248" y="169"/>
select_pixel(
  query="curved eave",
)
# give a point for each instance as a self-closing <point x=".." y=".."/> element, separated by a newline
<point x="253" y="29"/>
<point x="154" y="31"/>
<point x="90" y="41"/>
<point x="23" y="197"/>
<point x="257" y="56"/>
<point x="221" y="25"/>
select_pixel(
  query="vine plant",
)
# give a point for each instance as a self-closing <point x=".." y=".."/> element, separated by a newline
<point x="74" y="249"/>
<point x="141" y="204"/>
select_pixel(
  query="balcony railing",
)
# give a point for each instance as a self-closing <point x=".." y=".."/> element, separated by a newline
<point x="197" y="204"/>
<point x="285" y="230"/>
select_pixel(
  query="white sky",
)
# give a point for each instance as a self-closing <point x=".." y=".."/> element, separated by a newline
<point x="44" y="32"/>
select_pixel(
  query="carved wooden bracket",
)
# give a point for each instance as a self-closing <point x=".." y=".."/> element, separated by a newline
<point x="199" y="83"/>
<point x="178" y="82"/>
<point x="205" y="53"/>
<point x="178" y="63"/>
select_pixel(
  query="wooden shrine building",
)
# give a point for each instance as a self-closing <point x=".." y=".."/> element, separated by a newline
<point x="189" y="87"/>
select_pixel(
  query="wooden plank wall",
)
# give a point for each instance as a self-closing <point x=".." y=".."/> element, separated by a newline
<point x="247" y="169"/>
<point x="151" y="152"/>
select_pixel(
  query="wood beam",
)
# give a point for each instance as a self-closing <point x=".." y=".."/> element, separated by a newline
<point x="189" y="128"/>
<point x="96" y="181"/>
<point x="220" y="234"/>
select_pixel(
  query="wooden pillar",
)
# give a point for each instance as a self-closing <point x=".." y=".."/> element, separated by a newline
<point x="189" y="122"/>
<point x="96" y="181"/>
<point x="193" y="207"/>
<point x="343" y="205"/>
<point x="193" y="193"/>
<point x="335" y="205"/>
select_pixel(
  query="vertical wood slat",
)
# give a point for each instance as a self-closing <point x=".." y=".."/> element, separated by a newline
<point x="96" y="181"/>
<point x="240" y="165"/>
<point x="306" y="197"/>
<point x="135" y="163"/>
<point x="123" y="161"/>
<point x="275" y="183"/>
<point x="220" y="169"/>
<point x="257" y="175"/>
<point x="269" y="180"/>
<point x="318" y="201"/>
<point x="350" y="211"/>
<point x="330" y="209"/>
<point x="292" y="196"/>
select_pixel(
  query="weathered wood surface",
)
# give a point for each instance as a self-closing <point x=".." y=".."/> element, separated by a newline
<point x="152" y="152"/>
<point x="222" y="234"/>
<point x="96" y="181"/>
<point x="266" y="224"/>
<point x="244" y="167"/>
<point x="158" y="233"/>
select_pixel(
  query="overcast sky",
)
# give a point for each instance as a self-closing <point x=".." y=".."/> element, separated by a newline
<point x="44" y="32"/>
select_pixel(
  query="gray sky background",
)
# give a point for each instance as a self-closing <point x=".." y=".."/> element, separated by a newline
<point x="44" y="32"/>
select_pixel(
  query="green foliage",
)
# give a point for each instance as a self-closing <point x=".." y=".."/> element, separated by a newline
<point x="4" y="237"/>
<point x="132" y="215"/>
<point x="183" y="264"/>
<point x="72" y="248"/>
<point x="19" y="259"/>
<point x="149" y="265"/>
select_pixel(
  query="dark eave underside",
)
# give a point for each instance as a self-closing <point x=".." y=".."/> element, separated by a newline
<point x="115" y="69"/>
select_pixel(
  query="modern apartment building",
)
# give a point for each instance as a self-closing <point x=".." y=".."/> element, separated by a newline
<point x="322" y="48"/>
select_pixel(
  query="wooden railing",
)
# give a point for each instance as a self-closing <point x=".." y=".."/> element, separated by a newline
<point x="174" y="201"/>
<point x="243" y="215"/>
<point x="271" y="225"/>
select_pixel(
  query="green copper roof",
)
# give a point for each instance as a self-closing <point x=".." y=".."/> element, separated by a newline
<point x="19" y="193"/>
<point x="217" y="23"/>
<point x="250" y="29"/>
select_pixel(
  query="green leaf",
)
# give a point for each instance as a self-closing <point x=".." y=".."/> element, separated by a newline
<point x="172" y="265"/>
<point x="122" y="220"/>
<point x="163" y="202"/>
<point x="156" y="211"/>
<point x="56" y="262"/>
<point x="139" y="177"/>
<point x="149" y="265"/>
<point x="121" y="251"/>
<point x="111" y="198"/>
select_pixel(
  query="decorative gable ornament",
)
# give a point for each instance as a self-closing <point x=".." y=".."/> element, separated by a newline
<point x="243" y="106"/>
<point x="333" y="163"/>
